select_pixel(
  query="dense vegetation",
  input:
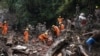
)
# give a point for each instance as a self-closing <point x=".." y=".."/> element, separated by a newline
<point x="47" y="10"/>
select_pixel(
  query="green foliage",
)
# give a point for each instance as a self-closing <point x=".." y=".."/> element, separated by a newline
<point x="11" y="5"/>
<point x="3" y="4"/>
<point x="33" y="11"/>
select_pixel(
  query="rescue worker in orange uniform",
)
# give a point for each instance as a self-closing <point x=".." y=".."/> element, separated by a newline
<point x="62" y="27"/>
<point x="56" y="30"/>
<point x="26" y="36"/>
<point x="60" y="20"/>
<point x="4" y="28"/>
<point x="43" y="37"/>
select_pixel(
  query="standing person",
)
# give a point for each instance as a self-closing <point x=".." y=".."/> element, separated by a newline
<point x="97" y="13"/>
<point x="77" y="17"/>
<point x="26" y="36"/>
<point x="5" y="28"/>
<point x="82" y="22"/>
<point x="56" y="30"/>
<point x="60" y="20"/>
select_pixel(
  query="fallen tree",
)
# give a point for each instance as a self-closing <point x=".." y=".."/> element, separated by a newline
<point x="81" y="47"/>
<point x="58" y="44"/>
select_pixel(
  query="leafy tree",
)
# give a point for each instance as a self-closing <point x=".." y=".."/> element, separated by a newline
<point x="34" y="11"/>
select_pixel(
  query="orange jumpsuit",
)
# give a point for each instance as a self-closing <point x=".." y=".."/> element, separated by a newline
<point x="60" y="20"/>
<point x="62" y="27"/>
<point x="4" y="28"/>
<point x="43" y="37"/>
<point x="26" y="36"/>
<point x="56" y="30"/>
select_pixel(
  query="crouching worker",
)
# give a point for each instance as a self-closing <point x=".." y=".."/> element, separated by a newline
<point x="26" y="36"/>
<point x="43" y="37"/>
<point x="92" y="39"/>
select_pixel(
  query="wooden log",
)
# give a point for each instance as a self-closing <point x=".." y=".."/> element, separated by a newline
<point x="93" y="33"/>
<point x="55" y="47"/>
<point x="20" y="51"/>
<point x="81" y="47"/>
<point x="58" y="44"/>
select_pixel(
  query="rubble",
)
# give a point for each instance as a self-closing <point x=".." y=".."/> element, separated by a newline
<point x="68" y="41"/>
<point x="9" y="40"/>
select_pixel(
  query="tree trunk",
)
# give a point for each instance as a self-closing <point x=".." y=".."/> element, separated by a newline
<point x="81" y="47"/>
<point x="58" y="45"/>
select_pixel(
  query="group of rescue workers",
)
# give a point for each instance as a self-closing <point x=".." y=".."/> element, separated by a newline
<point x="43" y="37"/>
<point x="57" y="29"/>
